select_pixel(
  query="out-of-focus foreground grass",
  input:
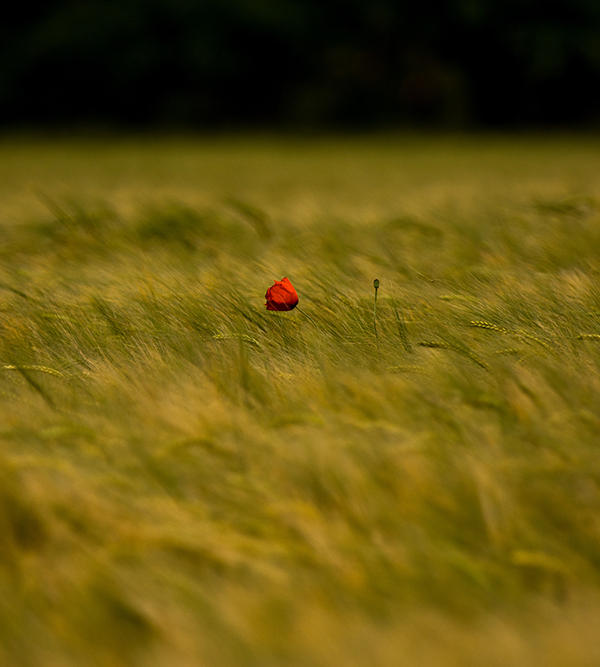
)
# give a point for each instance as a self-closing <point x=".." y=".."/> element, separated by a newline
<point x="187" y="479"/>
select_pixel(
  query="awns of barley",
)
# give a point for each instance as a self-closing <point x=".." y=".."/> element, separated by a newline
<point x="42" y="369"/>
<point x="488" y="325"/>
<point x="466" y="352"/>
<point x="480" y="324"/>
<point x="237" y="336"/>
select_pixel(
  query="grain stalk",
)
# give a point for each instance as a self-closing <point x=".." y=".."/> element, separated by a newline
<point x="376" y="286"/>
<point x="402" y="331"/>
<point x="42" y="369"/>
<point x="465" y="351"/>
<point x="480" y="324"/>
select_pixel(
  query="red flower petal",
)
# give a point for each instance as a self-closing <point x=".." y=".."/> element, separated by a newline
<point x="281" y="296"/>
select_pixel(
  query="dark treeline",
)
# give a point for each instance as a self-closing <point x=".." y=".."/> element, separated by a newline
<point x="302" y="63"/>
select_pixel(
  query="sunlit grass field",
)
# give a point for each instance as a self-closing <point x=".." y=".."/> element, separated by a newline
<point x="188" y="479"/>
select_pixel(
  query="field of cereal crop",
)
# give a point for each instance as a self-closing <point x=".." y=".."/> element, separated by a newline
<point x="189" y="479"/>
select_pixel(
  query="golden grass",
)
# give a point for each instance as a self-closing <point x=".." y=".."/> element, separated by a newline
<point x="186" y="478"/>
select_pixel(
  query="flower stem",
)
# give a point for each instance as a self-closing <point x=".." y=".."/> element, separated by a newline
<point x="307" y="316"/>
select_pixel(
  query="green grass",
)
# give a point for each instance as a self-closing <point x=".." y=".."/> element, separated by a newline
<point x="189" y="479"/>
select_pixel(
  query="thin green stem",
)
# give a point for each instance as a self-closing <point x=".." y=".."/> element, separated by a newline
<point x="401" y="326"/>
<point x="376" y="286"/>
<point x="307" y="316"/>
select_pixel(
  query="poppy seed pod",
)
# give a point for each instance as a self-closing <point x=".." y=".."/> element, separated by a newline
<point x="281" y="296"/>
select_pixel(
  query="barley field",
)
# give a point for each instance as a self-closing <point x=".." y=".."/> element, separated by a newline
<point x="189" y="479"/>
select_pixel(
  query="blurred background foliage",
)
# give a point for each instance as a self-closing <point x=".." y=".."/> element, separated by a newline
<point x="301" y="63"/>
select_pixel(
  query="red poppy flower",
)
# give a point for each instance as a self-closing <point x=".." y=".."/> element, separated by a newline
<point x="281" y="296"/>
